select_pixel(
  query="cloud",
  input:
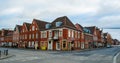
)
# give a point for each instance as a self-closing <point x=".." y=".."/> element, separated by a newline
<point x="101" y="13"/>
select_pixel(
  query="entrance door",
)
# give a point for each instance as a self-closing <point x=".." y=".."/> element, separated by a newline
<point x="50" y="45"/>
<point x="36" y="45"/>
<point x="58" y="46"/>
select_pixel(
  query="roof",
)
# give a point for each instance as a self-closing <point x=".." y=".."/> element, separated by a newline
<point x="7" y="32"/>
<point x="41" y="24"/>
<point x="79" y="27"/>
<point x="65" y="22"/>
<point x="19" y="27"/>
<point x="27" y="25"/>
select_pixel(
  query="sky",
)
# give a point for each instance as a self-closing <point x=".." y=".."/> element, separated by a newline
<point x="100" y="13"/>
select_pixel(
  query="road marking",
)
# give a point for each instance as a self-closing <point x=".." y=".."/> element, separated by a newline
<point x="115" y="57"/>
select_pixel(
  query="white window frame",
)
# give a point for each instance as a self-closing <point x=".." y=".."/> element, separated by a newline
<point x="33" y="28"/>
<point x="36" y="35"/>
<point x="60" y="33"/>
<point x="69" y="33"/>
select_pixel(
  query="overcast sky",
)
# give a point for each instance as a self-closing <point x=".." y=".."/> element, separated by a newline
<point x="100" y="13"/>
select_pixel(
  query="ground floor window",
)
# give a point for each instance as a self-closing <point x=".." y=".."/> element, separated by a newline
<point x="82" y="45"/>
<point x="58" y="45"/>
<point x="64" y="44"/>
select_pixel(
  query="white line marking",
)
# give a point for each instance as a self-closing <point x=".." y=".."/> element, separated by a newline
<point x="115" y="57"/>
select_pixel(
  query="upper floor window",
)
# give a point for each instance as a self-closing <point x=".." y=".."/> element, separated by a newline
<point x="25" y="36"/>
<point x="50" y="33"/>
<point x="32" y="36"/>
<point x="78" y="34"/>
<point x="33" y="28"/>
<point x="23" y="30"/>
<point x="44" y="34"/>
<point x="69" y="33"/>
<point x="60" y="33"/>
<point x="36" y="35"/>
<point x="72" y="33"/>
<point x="58" y="24"/>
<point x="56" y="32"/>
<point x="29" y="36"/>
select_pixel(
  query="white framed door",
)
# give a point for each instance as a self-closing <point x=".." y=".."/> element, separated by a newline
<point x="57" y="45"/>
<point x="50" y="44"/>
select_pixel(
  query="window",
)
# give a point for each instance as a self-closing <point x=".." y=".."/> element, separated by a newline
<point x="64" y="44"/>
<point x="44" y="34"/>
<point x="78" y="44"/>
<point x="56" y="33"/>
<point x="33" y="28"/>
<point x="47" y="26"/>
<point x="29" y="36"/>
<point x="23" y="30"/>
<point x="68" y="33"/>
<point x="25" y="36"/>
<point x="32" y="36"/>
<point x="50" y="33"/>
<point x="58" y="24"/>
<point x="60" y="33"/>
<point x="78" y="34"/>
<point x="72" y="33"/>
<point x="36" y="35"/>
<point x="36" y="29"/>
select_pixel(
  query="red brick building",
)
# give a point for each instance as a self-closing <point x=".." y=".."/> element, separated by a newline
<point x="6" y="37"/>
<point x="61" y="34"/>
<point x="16" y="35"/>
<point x="82" y="38"/>
<point x="24" y="35"/>
<point x="107" y="40"/>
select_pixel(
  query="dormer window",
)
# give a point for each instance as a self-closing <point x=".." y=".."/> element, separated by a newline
<point x="58" y="24"/>
<point x="86" y="30"/>
<point x="47" y="26"/>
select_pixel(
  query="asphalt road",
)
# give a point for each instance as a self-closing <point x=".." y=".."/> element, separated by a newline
<point x="105" y="55"/>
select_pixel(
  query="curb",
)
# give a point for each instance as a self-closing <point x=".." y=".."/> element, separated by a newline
<point x="6" y="57"/>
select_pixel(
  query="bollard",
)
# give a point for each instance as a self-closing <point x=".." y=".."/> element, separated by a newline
<point x="6" y="52"/>
<point x="0" y="53"/>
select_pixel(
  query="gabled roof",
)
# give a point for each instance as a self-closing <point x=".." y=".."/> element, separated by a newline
<point x="10" y="33"/>
<point x="41" y="24"/>
<point x="0" y="32"/>
<point x="79" y="27"/>
<point x="27" y="25"/>
<point x="7" y="32"/>
<point x="65" y="22"/>
<point x="19" y="27"/>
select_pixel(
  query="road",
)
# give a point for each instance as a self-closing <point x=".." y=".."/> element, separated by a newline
<point x="105" y="55"/>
